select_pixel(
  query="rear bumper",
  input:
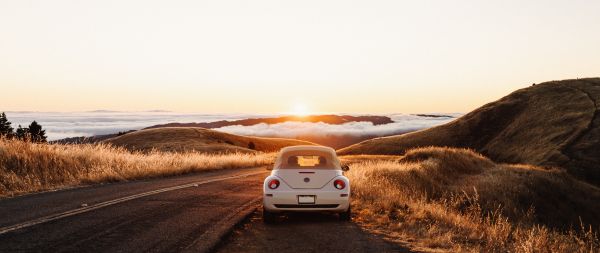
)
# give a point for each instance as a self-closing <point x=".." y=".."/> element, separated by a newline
<point x="283" y="201"/>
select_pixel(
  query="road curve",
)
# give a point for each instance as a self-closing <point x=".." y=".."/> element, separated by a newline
<point x="166" y="215"/>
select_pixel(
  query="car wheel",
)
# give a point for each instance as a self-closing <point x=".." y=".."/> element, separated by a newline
<point x="268" y="217"/>
<point x="347" y="215"/>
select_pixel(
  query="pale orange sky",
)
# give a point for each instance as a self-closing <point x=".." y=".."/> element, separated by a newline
<point x="273" y="56"/>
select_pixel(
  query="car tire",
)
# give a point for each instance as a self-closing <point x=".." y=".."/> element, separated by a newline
<point x="347" y="215"/>
<point x="268" y="217"/>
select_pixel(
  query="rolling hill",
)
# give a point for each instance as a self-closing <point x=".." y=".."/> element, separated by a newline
<point x="549" y="124"/>
<point x="460" y="201"/>
<point x="182" y="139"/>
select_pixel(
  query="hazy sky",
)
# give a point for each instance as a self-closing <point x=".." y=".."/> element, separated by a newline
<point x="271" y="56"/>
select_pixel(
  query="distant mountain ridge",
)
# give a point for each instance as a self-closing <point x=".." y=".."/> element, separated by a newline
<point x="550" y="124"/>
<point x="329" y="119"/>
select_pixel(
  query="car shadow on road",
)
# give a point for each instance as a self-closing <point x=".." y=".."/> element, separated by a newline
<point x="304" y="218"/>
<point x="304" y="232"/>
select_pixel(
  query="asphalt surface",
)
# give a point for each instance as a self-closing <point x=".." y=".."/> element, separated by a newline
<point x="170" y="221"/>
<point x="191" y="215"/>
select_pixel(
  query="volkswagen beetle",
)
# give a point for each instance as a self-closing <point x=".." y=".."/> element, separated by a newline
<point x="306" y="179"/>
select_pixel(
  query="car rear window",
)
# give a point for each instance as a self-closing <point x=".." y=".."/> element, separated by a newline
<point x="306" y="161"/>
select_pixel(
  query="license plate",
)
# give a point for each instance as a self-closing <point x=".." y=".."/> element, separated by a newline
<point x="306" y="199"/>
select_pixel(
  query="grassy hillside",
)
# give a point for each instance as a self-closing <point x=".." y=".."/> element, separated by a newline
<point x="183" y="139"/>
<point x="455" y="200"/>
<point x="550" y="124"/>
<point x="27" y="167"/>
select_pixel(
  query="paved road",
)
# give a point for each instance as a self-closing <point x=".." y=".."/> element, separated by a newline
<point x="179" y="214"/>
<point x="165" y="222"/>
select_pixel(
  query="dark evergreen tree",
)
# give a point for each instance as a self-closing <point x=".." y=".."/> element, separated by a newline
<point x="251" y="145"/>
<point x="37" y="134"/>
<point x="22" y="133"/>
<point x="5" y="129"/>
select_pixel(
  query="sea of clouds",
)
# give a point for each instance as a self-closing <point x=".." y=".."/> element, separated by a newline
<point x="402" y="123"/>
<point x="60" y="125"/>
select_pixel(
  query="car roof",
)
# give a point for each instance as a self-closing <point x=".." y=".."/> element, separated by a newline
<point x="308" y="148"/>
<point x="327" y="152"/>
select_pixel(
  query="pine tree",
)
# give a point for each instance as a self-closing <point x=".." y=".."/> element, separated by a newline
<point x="22" y="133"/>
<point x="5" y="129"/>
<point x="36" y="132"/>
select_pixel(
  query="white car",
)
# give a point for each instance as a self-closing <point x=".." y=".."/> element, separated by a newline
<point x="306" y="179"/>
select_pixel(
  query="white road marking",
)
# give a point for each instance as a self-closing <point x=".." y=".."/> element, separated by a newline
<point x="88" y="208"/>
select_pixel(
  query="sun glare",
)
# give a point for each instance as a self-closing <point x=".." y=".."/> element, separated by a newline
<point x="300" y="110"/>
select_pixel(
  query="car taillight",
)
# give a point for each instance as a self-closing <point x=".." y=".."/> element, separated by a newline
<point x="339" y="184"/>
<point x="273" y="184"/>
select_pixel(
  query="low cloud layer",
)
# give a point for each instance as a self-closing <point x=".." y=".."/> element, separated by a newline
<point x="403" y="123"/>
<point x="60" y="125"/>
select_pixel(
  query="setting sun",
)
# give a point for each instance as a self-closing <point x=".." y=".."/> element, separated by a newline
<point x="300" y="110"/>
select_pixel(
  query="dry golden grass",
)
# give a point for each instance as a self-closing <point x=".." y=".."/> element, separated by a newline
<point x="549" y="124"/>
<point x="349" y="159"/>
<point x="27" y="167"/>
<point x="186" y="139"/>
<point x="455" y="200"/>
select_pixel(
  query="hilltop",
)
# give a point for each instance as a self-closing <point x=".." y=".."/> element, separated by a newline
<point x="89" y="139"/>
<point x="181" y="139"/>
<point x="549" y="124"/>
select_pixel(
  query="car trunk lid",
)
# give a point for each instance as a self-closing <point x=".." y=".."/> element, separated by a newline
<point x="307" y="178"/>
